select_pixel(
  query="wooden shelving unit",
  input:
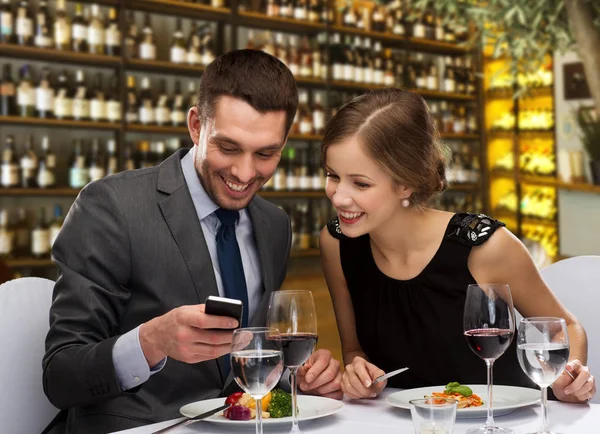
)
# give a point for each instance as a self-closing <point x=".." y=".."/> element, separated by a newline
<point x="227" y="21"/>
<point x="164" y="67"/>
<point x="262" y="21"/>
<point x="179" y="8"/>
<point x="40" y="192"/>
<point x="29" y="263"/>
<point x="58" y="56"/>
<point x="59" y="123"/>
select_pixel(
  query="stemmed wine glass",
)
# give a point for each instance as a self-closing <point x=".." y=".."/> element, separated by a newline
<point x="489" y="325"/>
<point x="543" y="353"/>
<point x="256" y="363"/>
<point x="293" y="314"/>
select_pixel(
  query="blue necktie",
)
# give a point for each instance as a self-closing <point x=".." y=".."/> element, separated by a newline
<point x="230" y="260"/>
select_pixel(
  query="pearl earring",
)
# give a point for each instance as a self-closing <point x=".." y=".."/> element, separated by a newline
<point x="405" y="202"/>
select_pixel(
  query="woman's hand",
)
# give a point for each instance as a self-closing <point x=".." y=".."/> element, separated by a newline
<point x="579" y="390"/>
<point x="357" y="379"/>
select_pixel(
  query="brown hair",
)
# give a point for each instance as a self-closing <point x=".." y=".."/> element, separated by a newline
<point x="397" y="130"/>
<point x="253" y="76"/>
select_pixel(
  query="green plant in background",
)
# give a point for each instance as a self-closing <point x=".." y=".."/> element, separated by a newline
<point x="589" y="123"/>
<point x="524" y="31"/>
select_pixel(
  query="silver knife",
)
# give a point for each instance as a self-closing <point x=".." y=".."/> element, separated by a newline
<point x="190" y="420"/>
<point x="386" y="376"/>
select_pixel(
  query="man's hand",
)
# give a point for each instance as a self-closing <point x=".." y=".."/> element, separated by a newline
<point x="579" y="390"/>
<point x="186" y="334"/>
<point x="321" y="375"/>
<point x="358" y="377"/>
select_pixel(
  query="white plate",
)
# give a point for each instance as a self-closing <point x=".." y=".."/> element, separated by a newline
<point x="310" y="407"/>
<point x="506" y="399"/>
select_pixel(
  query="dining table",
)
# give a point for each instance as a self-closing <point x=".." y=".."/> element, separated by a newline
<point x="377" y="416"/>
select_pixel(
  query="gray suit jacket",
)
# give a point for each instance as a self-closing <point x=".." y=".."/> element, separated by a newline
<point x="132" y="249"/>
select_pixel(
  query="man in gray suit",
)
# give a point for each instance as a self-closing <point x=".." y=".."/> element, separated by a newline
<point x="139" y="252"/>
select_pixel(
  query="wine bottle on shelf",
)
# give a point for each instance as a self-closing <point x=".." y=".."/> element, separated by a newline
<point x="279" y="177"/>
<point x="47" y="165"/>
<point x="359" y="72"/>
<point x="9" y="171"/>
<point x="79" y="31"/>
<point x="349" y="59"/>
<point x="146" y="103"/>
<point x="304" y="175"/>
<point x="192" y="95"/>
<point x="162" y="113"/>
<point x="432" y="77"/>
<point x="113" y="101"/>
<point x="194" y="46"/>
<point x="305" y="115"/>
<point x="291" y="175"/>
<point x="161" y="152"/>
<point x="63" y="98"/>
<point x="315" y="12"/>
<point x="178" y="108"/>
<point x="96" y="37"/>
<point x="44" y="96"/>
<point x="145" y="157"/>
<point x="112" y="160"/>
<point x="24" y="24"/>
<point x="82" y="97"/>
<point x="300" y="10"/>
<point x="128" y="158"/>
<point x="78" y="171"/>
<point x="62" y="27"/>
<point x="43" y="37"/>
<point x="389" y="76"/>
<point x="40" y="237"/>
<point x="22" y="237"/>
<point x="318" y="115"/>
<point x="7" y="235"/>
<point x="131" y="40"/>
<point x="8" y="92"/>
<point x="98" y="100"/>
<point x="97" y="166"/>
<point x="26" y="93"/>
<point x="286" y="9"/>
<point x="317" y="173"/>
<point x="55" y="225"/>
<point x="7" y="22"/>
<point x="132" y="110"/>
<point x="272" y="8"/>
<point x="112" y="34"/>
<point x="208" y="49"/>
<point x="147" y="46"/>
<point x="378" y="64"/>
<point x="178" y="49"/>
<point x="29" y="165"/>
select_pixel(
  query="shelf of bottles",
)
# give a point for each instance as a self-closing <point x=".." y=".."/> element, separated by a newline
<point x="521" y="152"/>
<point x="101" y="92"/>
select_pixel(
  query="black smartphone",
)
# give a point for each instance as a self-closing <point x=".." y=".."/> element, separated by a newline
<point x="222" y="306"/>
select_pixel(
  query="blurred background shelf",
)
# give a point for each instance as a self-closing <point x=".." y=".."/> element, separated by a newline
<point x="179" y="8"/>
<point x="59" y="56"/>
<point x="58" y="123"/>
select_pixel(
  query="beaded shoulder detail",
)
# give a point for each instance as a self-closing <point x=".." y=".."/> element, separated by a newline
<point x="471" y="229"/>
<point x="333" y="226"/>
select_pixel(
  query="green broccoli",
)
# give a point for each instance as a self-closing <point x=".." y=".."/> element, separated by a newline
<point x="458" y="388"/>
<point x="280" y="405"/>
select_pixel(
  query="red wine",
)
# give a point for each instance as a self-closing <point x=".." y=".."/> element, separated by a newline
<point x="297" y="348"/>
<point x="489" y="343"/>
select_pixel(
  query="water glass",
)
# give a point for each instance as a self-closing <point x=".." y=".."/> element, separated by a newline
<point x="543" y="353"/>
<point x="433" y="415"/>
<point x="256" y="363"/>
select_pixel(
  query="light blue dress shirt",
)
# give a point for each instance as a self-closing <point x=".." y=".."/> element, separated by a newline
<point x="130" y="364"/>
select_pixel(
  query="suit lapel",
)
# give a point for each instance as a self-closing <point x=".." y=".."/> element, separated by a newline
<point x="261" y="227"/>
<point x="180" y="215"/>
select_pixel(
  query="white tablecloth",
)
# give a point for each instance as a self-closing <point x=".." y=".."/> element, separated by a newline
<point x="378" y="417"/>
